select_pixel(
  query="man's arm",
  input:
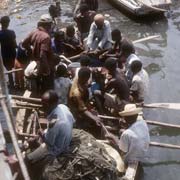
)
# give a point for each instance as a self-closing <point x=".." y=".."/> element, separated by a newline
<point x="106" y="36"/>
<point x="91" y="35"/>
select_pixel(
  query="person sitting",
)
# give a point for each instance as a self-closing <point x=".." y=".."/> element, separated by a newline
<point x="84" y="20"/>
<point x="59" y="133"/>
<point x="62" y="83"/>
<point x="127" y="56"/>
<point x="80" y="105"/>
<point x="57" y="43"/>
<point x="8" y="47"/>
<point x="134" y="141"/>
<point x="116" y="46"/>
<point x="116" y="90"/>
<point x="140" y="82"/>
<point x="100" y="34"/>
<point x="73" y="44"/>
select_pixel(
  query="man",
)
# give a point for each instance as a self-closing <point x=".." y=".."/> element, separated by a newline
<point x="116" y="91"/>
<point x="8" y="46"/>
<point x="79" y="103"/>
<point x="92" y="4"/>
<point x="134" y="141"/>
<point x="127" y="57"/>
<point x="72" y="42"/>
<point x="41" y="51"/>
<point x="99" y="37"/>
<point x="59" y="133"/>
<point x="62" y="83"/>
<point x="140" y="82"/>
<point x="84" y="20"/>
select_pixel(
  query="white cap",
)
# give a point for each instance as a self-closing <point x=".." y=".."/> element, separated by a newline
<point x="46" y="18"/>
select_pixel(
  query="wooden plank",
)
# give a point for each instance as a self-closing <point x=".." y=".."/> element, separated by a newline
<point x="131" y="171"/>
<point x="21" y="115"/>
<point x="5" y="172"/>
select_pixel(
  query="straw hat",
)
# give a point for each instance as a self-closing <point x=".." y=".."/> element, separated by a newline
<point x="130" y="110"/>
<point x="45" y="18"/>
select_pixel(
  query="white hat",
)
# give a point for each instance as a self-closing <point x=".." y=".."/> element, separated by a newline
<point x="130" y="110"/>
<point x="46" y="18"/>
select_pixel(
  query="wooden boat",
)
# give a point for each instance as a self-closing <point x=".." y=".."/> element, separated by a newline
<point x="142" y="7"/>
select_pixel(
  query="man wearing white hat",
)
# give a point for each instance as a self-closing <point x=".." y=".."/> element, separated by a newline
<point x="134" y="141"/>
<point x="38" y="44"/>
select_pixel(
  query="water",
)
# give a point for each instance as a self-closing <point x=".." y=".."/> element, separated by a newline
<point x="160" y="58"/>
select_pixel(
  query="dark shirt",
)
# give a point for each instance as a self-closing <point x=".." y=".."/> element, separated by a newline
<point x="8" y="45"/>
<point x="84" y="21"/>
<point x="119" y="84"/>
<point x="58" y="46"/>
<point x="92" y="4"/>
<point x="40" y="41"/>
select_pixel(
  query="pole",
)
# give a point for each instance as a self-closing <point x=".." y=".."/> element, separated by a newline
<point x="5" y="103"/>
<point x="163" y="145"/>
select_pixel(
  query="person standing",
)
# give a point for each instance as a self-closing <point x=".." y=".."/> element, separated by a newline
<point x="38" y="44"/>
<point x="84" y="20"/>
<point x="8" y="46"/>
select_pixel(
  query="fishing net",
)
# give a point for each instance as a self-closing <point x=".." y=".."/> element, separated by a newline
<point x="87" y="160"/>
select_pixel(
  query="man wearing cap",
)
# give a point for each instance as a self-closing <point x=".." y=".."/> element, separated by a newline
<point x="100" y="34"/>
<point x="134" y="141"/>
<point x="38" y="44"/>
<point x="8" y="46"/>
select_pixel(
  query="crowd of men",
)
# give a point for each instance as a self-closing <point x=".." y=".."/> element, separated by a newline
<point x="90" y="68"/>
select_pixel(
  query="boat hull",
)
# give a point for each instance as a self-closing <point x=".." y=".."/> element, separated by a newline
<point x="140" y="11"/>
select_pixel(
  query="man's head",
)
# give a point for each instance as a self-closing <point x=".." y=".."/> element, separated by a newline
<point x="84" y="9"/>
<point x="5" y="20"/>
<point x="136" y="66"/>
<point x="84" y="60"/>
<point x="59" y="35"/>
<point x="45" y="22"/>
<point x="61" y="70"/>
<point x="49" y="101"/>
<point x="127" y="48"/>
<point x="70" y="31"/>
<point x="130" y="113"/>
<point x="111" y="65"/>
<point x="99" y="21"/>
<point x="83" y="76"/>
<point x="116" y="35"/>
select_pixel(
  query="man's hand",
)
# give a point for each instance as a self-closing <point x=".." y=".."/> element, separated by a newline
<point x="40" y="132"/>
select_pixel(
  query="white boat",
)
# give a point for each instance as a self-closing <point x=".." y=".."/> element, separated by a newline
<point x="142" y="7"/>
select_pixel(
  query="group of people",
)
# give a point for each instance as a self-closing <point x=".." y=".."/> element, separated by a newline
<point x="107" y="77"/>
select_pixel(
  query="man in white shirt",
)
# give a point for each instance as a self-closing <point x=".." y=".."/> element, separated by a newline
<point x="134" y="141"/>
<point x="100" y="34"/>
<point x="140" y="82"/>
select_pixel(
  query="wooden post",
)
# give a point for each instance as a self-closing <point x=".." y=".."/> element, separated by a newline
<point x="5" y="103"/>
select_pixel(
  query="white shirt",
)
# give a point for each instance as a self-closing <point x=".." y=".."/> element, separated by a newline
<point x="131" y="58"/>
<point x="99" y="37"/>
<point x="135" y="141"/>
<point x="140" y="84"/>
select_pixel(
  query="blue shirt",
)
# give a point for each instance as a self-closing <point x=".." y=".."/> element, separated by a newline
<point x="58" y="137"/>
<point x="8" y="44"/>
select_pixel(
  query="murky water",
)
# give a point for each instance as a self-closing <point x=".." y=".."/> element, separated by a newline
<point x="161" y="58"/>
